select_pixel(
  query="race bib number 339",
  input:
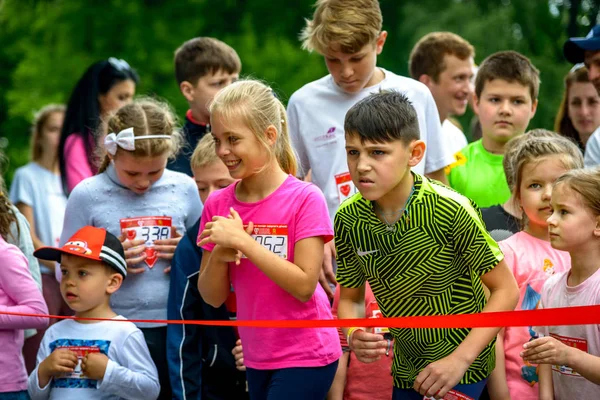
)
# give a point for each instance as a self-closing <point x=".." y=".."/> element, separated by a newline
<point x="150" y="229"/>
<point x="273" y="238"/>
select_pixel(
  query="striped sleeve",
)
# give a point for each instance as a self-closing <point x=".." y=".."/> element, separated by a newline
<point x="349" y="271"/>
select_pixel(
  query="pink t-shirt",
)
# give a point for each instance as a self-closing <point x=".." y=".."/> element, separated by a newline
<point x="532" y="261"/>
<point x="77" y="162"/>
<point x="569" y="385"/>
<point x="295" y="211"/>
<point x="19" y="294"/>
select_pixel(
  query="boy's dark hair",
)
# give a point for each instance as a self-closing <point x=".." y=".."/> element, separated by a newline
<point x="511" y="67"/>
<point x="203" y="55"/>
<point x="383" y="117"/>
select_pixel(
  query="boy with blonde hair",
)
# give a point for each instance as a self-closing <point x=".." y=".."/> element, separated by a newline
<point x="203" y="66"/>
<point x="443" y="61"/>
<point x="349" y="35"/>
<point x="201" y="364"/>
<point x="506" y="91"/>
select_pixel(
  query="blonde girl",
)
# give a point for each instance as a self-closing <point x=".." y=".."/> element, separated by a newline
<point x="569" y="356"/>
<point x="265" y="234"/>
<point x="540" y="158"/>
<point x="134" y="197"/>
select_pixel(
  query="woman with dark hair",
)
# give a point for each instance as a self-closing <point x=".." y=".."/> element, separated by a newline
<point x="579" y="112"/>
<point x="105" y="87"/>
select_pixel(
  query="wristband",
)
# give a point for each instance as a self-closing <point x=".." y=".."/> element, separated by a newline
<point x="349" y="335"/>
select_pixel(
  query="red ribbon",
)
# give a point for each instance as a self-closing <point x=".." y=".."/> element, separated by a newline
<point x="584" y="315"/>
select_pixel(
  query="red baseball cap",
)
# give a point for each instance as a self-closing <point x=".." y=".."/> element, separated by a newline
<point x="90" y="242"/>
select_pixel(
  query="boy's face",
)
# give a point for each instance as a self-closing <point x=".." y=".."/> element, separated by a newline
<point x="86" y="284"/>
<point x="211" y="177"/>
<point x="504" y="109"/>
<point x="201" y="95"/>
<point x="354" y="72"/>
<point x="452" y="90"/>
<point x="378" y="168"/>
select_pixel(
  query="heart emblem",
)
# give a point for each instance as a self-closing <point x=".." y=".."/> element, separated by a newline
<point x="345" y="189"/>
<point x="150" y="256"/>
<point x="130" y="233"/>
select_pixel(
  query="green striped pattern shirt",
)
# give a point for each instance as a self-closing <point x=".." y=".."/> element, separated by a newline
<point x="431" y="265"/>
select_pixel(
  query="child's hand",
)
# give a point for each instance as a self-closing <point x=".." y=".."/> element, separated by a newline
<point x="368" y="347"/>
<point x="94" y="365"/>
<point x="227" y="254"/>
<point x="225" y="231"/>
<point x="436" y="379"/>
<point x="238" y="354"/>
<point x="60" y="362"/>
<point x="546" y="350"/>
<point x="134" y="254"/>
<point x="166" y="247"/>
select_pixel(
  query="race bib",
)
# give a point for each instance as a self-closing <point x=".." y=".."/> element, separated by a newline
<point x="580" y="344"/>
<point x="150" y="229"/>
<point x="82" y="348"/>
<point x="452" y="395"/>
<point x="272" y="237"/>
<point x="373" y="311"/>
<point x="345" y="186"/>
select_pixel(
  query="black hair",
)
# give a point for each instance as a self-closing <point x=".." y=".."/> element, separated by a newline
<point x="383" y="117"/>
<point x="82" y="117"/>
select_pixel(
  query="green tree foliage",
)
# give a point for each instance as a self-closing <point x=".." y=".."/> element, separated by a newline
<point x="45" y="45"/>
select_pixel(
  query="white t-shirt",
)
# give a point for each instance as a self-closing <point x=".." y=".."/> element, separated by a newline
<point x="316" y="114"/>
<point x="592" y="150"/>
<point x="568" y="384"/>
<point x="130" y="372"/>
<point x="41" y="190"/>
<point x="454" y="138"/>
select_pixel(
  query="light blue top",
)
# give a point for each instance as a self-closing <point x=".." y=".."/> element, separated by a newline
<point x="102" y="201"/>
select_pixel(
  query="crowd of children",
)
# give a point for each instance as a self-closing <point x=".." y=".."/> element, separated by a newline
<point x="217" y="221"/>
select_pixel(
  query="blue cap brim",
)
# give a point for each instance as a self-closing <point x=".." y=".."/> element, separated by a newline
<point x="575" y="48"/>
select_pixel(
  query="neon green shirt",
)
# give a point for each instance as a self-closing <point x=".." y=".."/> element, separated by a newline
<point x="479" y="175"/>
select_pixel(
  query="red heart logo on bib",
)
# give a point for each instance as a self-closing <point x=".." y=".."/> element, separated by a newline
<point x="150" y="256"/>
<point x="345" y="189"/>
<point x="130" y="234"/>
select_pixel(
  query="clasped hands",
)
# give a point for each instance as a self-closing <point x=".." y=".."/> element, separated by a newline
<point x="228" y="234"/>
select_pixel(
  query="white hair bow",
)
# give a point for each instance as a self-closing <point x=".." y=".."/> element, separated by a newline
<point x="124" y="139"/>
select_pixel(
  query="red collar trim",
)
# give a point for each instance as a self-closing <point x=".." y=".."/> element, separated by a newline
<point x="189" y="116"/>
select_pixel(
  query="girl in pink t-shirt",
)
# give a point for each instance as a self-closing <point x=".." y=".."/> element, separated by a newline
<point x="265" y="235"/>
<point x="539" y="159"/>
<point x="569" y="356"/>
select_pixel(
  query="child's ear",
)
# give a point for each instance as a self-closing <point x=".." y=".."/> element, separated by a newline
<point x="597" y="228"/>
<point x="417" y="152"/>
<point x="187" y="89"/>
<point x="271" y="134"/>
<point x="475" y="104"/>
<point x="114" y="283"/>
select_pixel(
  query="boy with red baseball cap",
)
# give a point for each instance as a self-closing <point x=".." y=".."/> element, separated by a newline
<point x="89" y="359"/>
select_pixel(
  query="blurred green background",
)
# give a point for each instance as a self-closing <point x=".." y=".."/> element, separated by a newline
<point x="45" y="45"/>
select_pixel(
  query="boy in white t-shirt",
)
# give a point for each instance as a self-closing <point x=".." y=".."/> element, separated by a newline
<point x="443" y="61"/>
<point x="349" y="35"/>
<point x="89" y="359"/>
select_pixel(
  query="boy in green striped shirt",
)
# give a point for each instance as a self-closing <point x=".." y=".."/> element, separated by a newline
<point x="423" y="249"/>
